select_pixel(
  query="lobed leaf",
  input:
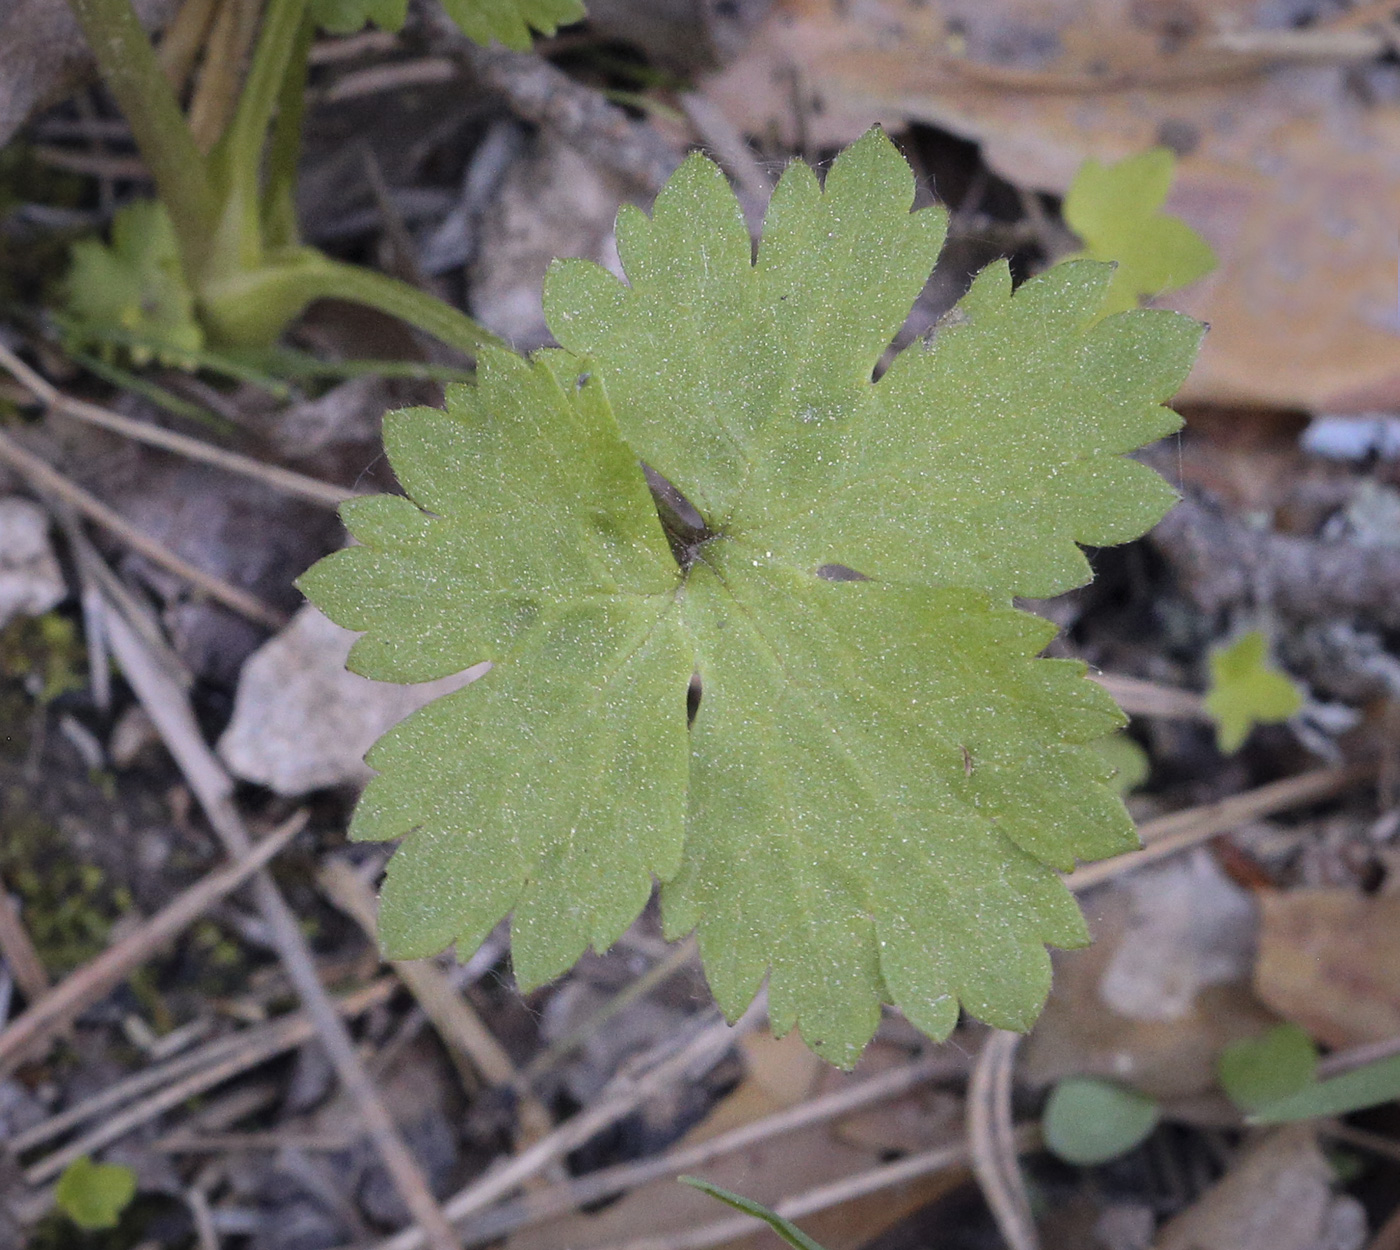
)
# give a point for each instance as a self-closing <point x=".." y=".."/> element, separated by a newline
<point x="1117" y="211"/>
<point x="134" y="286"/>
<point x="511" y="21"/>
<point x="881" y="778"/>
<point x="506" y="21"/>
<point x="1247" y="690"/>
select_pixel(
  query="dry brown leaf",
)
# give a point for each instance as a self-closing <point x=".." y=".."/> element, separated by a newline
<point x="1163" y="988"/>
<point x="1278" y="1196"/>
<point x="1290" y="175"/>
<point x="1329" y="960"/>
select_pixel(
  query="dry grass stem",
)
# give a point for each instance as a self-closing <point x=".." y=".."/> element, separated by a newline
<point x="560" y="1200"/>
<point x="170" y="711"/>
<point x="18" y="951"/>
<point x="49" y="481"/>
<point x="644" y="1079"/>
<point x="94" y="980"/>
<point x="661" y="971"/>
<point x="287" y="481"/>
<point x="470" y="1043"/>
<point x="218" y="1061"/>
<point x="424" y="71"/>
<point x="992" y="1141"/>
<point x="1168" y="835"/>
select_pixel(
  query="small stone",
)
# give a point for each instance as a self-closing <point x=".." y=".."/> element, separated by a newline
<point x="302" y="722"/>
<point x="31" y="581"/>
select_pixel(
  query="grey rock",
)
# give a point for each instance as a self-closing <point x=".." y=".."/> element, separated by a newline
<point x="302" y="722"/>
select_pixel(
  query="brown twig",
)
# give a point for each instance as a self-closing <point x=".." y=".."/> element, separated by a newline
<point x="169" y="709"/>
<point x="230" y="1143"/>
<point x="421" y="72"/>
<point x="95" y="979"/>
<point x="540" y="93"/>
<point x="18" y="951"/>
<point x="48" y="480"/>
<point x="1138" y="697"/>
<point x="285" y="480"/>
<point x="1168" y="835"/>
<point x="217" y="1061"/>
<point x="992" y="1141"/>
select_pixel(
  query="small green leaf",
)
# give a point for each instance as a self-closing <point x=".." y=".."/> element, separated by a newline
<point x="785" y="1229"/>
<point x="881" y="778"/>
<point x="94" y="1195"/>
<point x="1247" y="690"/>
<point x="1089" y="1121"/>
<point x="511" y="21"/>
<point x="1116" y="210"/>
<point x="1368" y="1086"/>
<point x="1261" y="1070"/>
<point x="135" y="286"/>
<point x="1129" y="762"/>
<point x="345" y="17"/>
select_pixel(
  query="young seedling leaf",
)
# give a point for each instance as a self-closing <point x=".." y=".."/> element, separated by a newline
<point x="1088" y="1121"/>
<point x="785" y="1229"/>
<point x="1247" y="690"/>
<point x="1368" y="1086"/>
<point x="1117" y="211"/>
<point x="880" y="778"/>
<point x="134" y="286"/>
<point x="94" y="1195"/>
<point x="1257" y="1071"/>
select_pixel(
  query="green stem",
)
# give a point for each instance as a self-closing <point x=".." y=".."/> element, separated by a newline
<point x="241" y="148"/>
<point x="133" y="74"/>
<point x="253" y="308"/>
<point x="279" y="210"/>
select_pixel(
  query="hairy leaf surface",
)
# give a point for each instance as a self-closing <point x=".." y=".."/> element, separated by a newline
<point x="881" y="778"/>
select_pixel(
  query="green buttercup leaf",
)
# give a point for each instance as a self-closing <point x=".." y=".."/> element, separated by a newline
<point x="511" y="21"/>
<point x="94" y="1195"/>
<point x="1089" y="1121"/>
<point x="1247" y="690"/>
<point x="880" y="778"/>
<point x="506" y="21"/>
<point x="1257" y="1071"/>
<point x="135" y="286"/>
<point x="345" y="17"/>
<point x="1117" y="211"/>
